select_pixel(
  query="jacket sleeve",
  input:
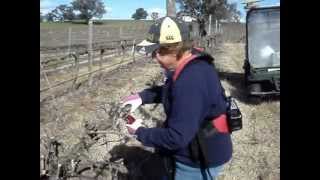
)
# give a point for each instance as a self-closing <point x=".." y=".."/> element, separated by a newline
<point x="151" y="95"/>
<point x="186" y="113"/>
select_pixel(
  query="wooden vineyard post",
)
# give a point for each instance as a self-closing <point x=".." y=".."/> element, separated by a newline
<point x="171" y="8"/>
<point x="69" y="39"/>
<point x="216" y="29"/>
<point x="119" y="50"/>
<point x="123" y="46"/>
<point x="76" y="69"/>
<point x="120" y="32"/>
<point x="90" y="53"/>
<point x="209" y="30"/>
<point x="100" y="62"/>
<point x="134" y="50"/>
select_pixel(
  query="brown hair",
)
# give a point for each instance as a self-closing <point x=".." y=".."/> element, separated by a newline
<point x="175" y="48"/>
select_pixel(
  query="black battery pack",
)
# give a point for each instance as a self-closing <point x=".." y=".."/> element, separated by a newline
<point x="234" y="116"/>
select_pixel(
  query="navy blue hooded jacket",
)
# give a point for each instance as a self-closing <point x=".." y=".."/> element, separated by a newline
<point x="194" y="96"/>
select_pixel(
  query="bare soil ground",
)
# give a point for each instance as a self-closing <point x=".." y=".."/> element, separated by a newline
<point x="256" y="147"/>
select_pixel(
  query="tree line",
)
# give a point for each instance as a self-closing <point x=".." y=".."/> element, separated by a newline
<point x="200" y="10"/>
<point x="77" y="10"/>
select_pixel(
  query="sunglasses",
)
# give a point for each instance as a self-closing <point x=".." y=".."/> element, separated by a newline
<point x="161" y="51"/>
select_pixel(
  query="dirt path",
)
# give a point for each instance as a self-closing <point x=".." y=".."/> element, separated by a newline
<point x="256" y="147"/>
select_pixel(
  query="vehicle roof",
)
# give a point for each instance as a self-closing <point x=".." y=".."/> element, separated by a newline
<point x="260" y="8"/>
<point x="265" y="7"/>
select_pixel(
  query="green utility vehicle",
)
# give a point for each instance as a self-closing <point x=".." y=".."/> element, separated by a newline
<point x="262" y="63"/>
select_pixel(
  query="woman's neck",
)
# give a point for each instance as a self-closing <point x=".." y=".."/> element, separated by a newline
<point x="184" y="56"/>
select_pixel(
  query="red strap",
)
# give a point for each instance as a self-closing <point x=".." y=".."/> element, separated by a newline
<point x="182" y="65"/>
<point x="185" y="62"/>
<point x="199" y="49"/>
<point x="220" y="123"/>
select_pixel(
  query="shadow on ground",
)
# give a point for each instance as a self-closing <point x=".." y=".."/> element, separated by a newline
<point x="141" y="164"/>
<point x="239" y="90"/>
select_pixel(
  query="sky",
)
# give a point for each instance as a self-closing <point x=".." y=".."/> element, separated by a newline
<point x="123" y="9"/>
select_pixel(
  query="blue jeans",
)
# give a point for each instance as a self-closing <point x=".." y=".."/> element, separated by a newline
<point x="185" y="172"/>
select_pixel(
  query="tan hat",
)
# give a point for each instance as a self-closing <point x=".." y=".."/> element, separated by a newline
<point x="165" y="31"/>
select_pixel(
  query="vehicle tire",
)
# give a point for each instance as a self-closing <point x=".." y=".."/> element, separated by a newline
<point x="254" y="99"/>
<point x="255" y="87"/>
